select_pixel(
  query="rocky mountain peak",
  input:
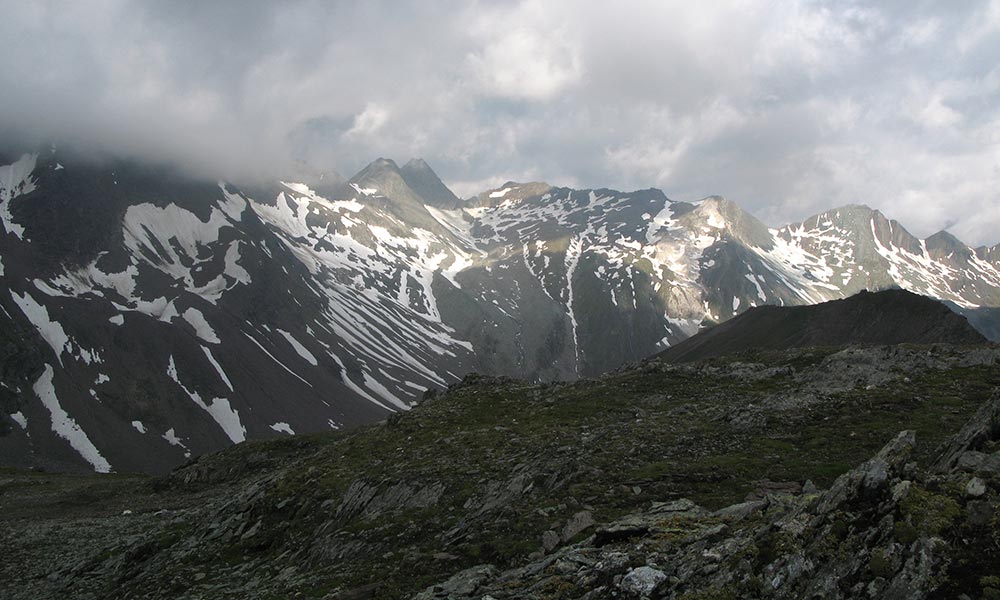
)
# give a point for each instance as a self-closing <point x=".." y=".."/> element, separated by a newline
<point x="383" y="178"/>
<point x="380" y="170"/>
<point x="384" y="163"/>
<point x="511" y="191"/>
<point x="944" y="242"/>
<point x="718" y="212"/>
<point x="991" y="254"/>
<point x="426" y="183"/>
<point x="417" y="164"/>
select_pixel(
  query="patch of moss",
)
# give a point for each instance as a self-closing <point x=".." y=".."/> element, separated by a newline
<point x="880" y="565"/>
<point x="726" y="593"/>
<point x="904" y="533"/>
<point x="929" y="512"/>
<point x="774" y="545"/>
<point x="991" y="587"/>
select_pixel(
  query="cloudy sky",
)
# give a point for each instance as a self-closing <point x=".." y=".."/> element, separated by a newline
<point x="786" y="107"/>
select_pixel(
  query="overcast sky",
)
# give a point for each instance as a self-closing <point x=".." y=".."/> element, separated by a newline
<point x="786" y="107"/>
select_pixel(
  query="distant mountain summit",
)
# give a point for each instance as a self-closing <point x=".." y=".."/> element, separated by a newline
<point x="425" y="182"/>
<point x="867" y="318"/>
<point x="510" y="192"/>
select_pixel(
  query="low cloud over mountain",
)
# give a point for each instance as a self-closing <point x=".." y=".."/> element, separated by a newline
<point x="790" y="107"/>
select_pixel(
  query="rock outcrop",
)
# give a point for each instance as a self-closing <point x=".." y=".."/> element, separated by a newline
<point x="882" y="530"/>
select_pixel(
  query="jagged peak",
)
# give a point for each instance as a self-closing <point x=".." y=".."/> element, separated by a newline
<point x="425" y="183"/>
<point x="384" y="162"/>
<point x="855" y="207"/>
<point x="515" y="185"/>
<point x="849" y="216"/>
<point x="944" y="242"/>
<point x="721" y="213"/>
<point x="416" y="164"/>
<point x="712" y="209"/>
<point x="380" y="167"/>
<point x="722" y="204"/>
<point x="847" y="211"/>
<point x="944" y="236"/>
<point x="990" y="253"/>
<point x="726" y="209"/>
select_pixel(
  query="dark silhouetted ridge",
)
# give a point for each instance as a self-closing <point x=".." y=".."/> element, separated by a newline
<point x="867" y="318"/>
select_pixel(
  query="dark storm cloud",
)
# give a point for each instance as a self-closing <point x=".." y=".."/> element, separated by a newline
<point x="787" y="108"/>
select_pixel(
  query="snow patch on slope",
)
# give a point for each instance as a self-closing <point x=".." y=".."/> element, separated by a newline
<point x="51" y="331"/>
<point x="299" y="348"/>
<point x="171" y="237"/>
<point x="233" y="269"/>
<point x="573" y="253"/>
<point x="278" y="362"/>
<point x="220" y="409"/>
<point x="90" y="279"/>
<point x="15" y="180"/>
<point x="218" y="368"/>
<point x="202" y="329"/>
<point x="174" y="440"/>
<point x="64" y="426"/>
<point x="282" y="427"/>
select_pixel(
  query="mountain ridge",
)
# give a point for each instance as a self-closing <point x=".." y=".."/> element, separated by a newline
<point x="285" y="310"/>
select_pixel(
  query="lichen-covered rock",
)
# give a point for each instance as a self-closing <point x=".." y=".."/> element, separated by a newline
<point x="642" y="581"/>
<point x="976" y="487"/>
<point x="983" y="427"/>
<point x="579" y="522"/>
<point x="461" y="585"/>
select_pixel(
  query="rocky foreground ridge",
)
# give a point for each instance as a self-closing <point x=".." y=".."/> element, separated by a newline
<point x="882" y="530"/>
<point x="768" y="474"/>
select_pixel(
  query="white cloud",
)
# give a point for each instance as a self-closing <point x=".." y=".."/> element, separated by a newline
<point x="936" y="114"/>
<point x="369" y="121"/>
<point x="524" y="64"/>
<point x="787" y="107"/>
<point x="919" y="33"/>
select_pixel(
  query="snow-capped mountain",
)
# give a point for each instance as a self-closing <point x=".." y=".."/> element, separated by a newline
<point x="148" y="318"/>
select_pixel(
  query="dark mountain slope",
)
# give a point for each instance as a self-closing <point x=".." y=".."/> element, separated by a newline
<point x="148" y="318"/>
<point x="887" y="317"/>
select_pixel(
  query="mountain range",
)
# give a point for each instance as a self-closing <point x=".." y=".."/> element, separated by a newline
<point x="149" y="318"/>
